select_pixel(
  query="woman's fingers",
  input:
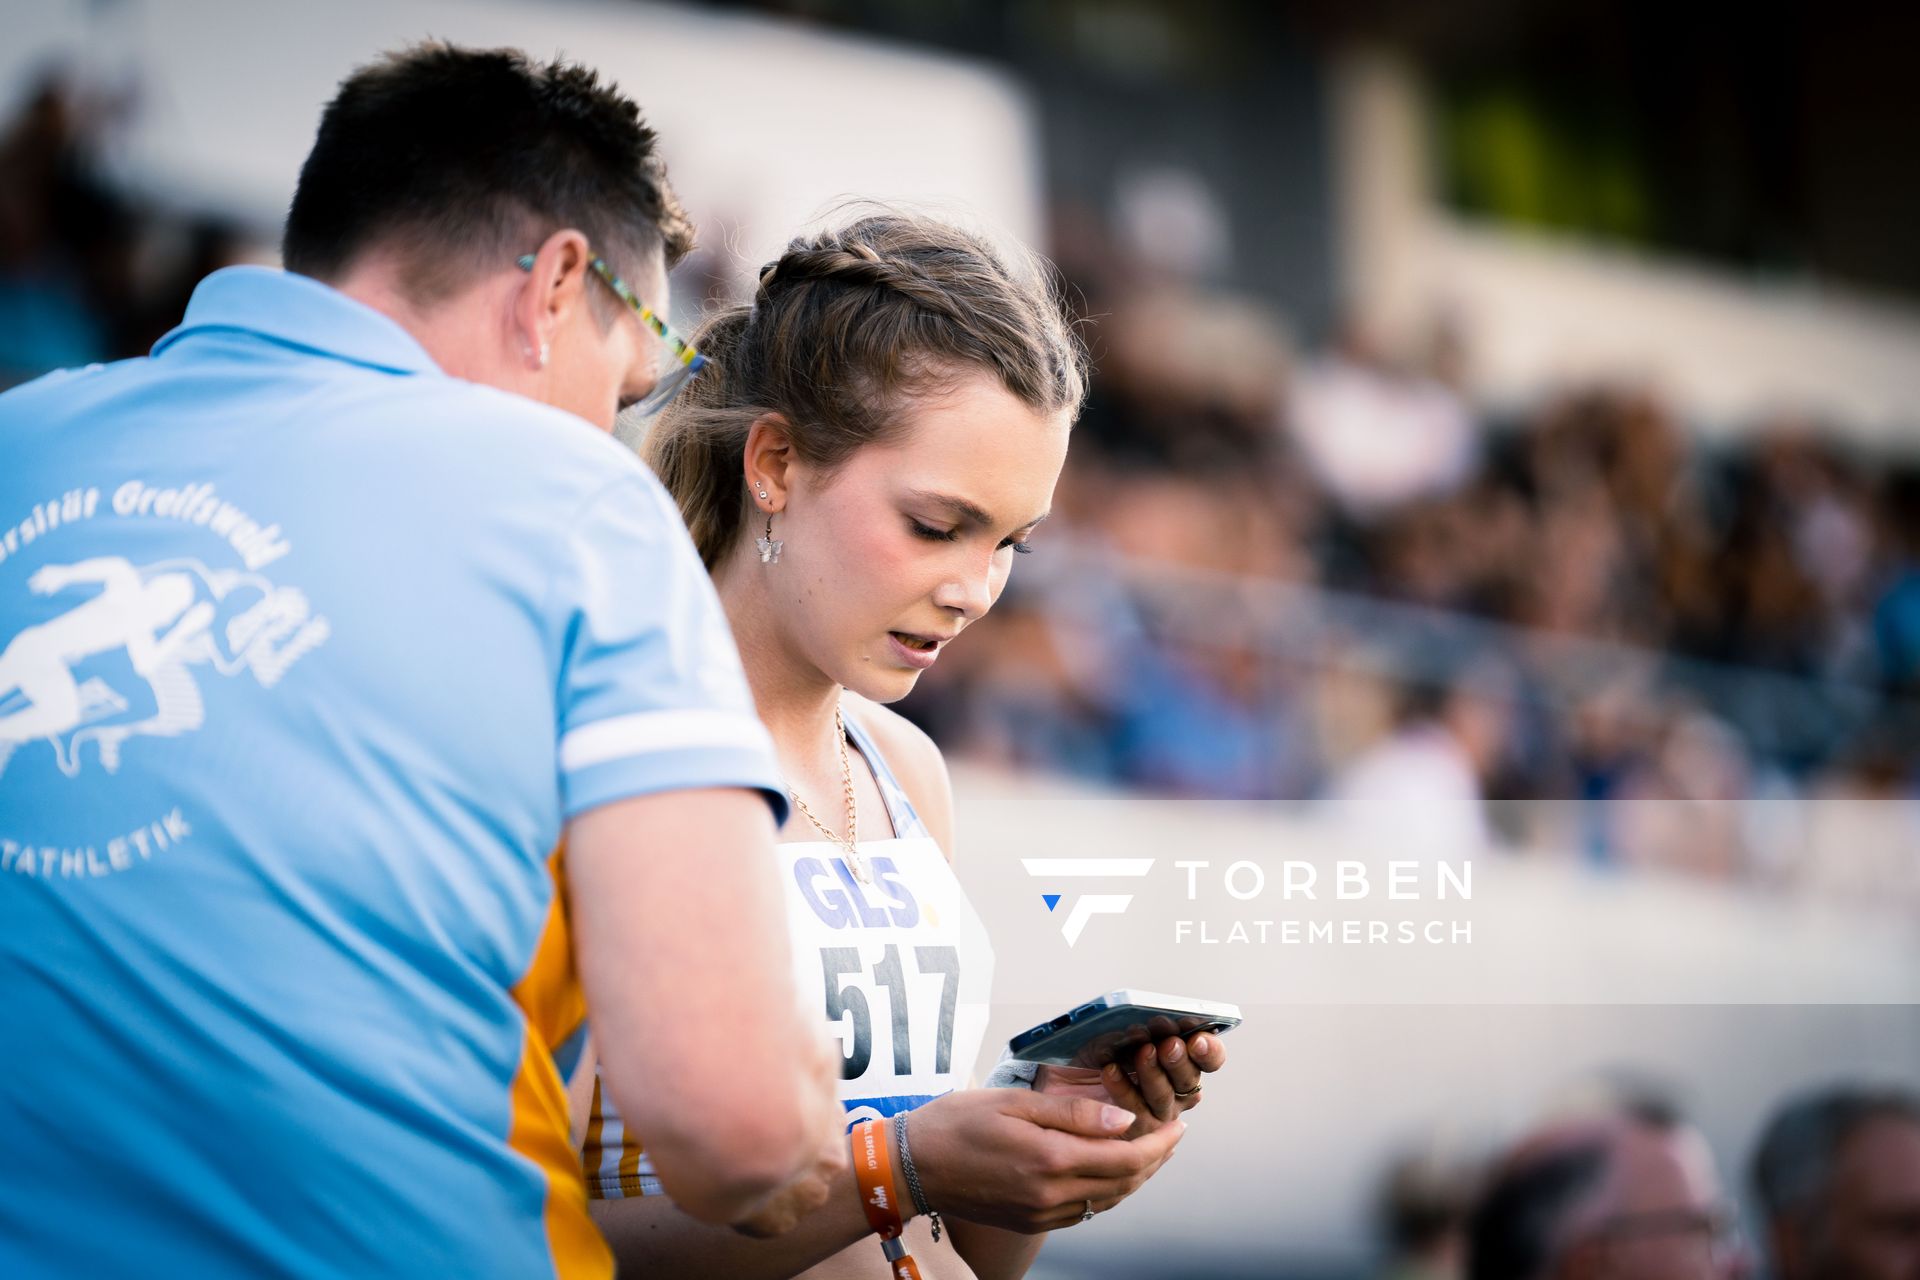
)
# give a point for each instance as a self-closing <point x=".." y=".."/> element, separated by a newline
<point x="1074" y="1215"/>
<point x="1024" y="1160"/>
<point x="1155" y="1084"/>
<point x="1113" y="1161"/>
<point x="1154" y="1150"/>
<point x="1123" y="1093"/>
<point x="1061" y="1200"/>
<point x="1183" y="1073"/>
<point x="1067" y="1080"/>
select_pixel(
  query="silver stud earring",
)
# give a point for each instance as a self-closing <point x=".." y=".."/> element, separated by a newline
<point x="763" y="493"/>
<point x="768" y="544"/>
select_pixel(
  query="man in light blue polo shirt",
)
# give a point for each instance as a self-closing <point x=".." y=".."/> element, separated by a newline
<point x="315" y="639"/>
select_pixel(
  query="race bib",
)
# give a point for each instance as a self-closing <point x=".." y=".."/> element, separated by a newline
<point x="899" y="969"/>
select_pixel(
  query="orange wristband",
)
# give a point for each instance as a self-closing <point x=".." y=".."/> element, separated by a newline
<point x="873" y="1171"/>
<point x="872" y="1152"/>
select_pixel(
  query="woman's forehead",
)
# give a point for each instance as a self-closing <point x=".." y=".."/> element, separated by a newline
<point x="980" y="427"/>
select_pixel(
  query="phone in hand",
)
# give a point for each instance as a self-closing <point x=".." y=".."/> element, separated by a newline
<point x="1113" y="1026"/>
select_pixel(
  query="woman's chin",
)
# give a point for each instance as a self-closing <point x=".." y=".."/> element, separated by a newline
<point x="876" y="683"/>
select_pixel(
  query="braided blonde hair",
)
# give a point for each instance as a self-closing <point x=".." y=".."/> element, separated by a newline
<point x="846" y="328"/>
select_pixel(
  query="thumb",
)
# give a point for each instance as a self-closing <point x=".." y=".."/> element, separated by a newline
<point x="1088" y="1117"/>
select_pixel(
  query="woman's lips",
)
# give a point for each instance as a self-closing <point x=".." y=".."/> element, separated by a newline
<point x="916" y="651"/>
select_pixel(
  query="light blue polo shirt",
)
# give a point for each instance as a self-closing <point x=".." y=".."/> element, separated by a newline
<point x="307" y="653"/>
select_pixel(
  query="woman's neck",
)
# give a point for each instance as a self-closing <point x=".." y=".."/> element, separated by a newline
<point x="795" y="699"/>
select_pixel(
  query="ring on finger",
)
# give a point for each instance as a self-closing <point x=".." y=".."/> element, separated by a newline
<point x="1088" y="1215"/>
<point x="1190" y="1093"/>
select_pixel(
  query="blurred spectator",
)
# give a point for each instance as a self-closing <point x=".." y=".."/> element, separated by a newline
<point x="1630" y="1195"/>
<point x="1423" y="1215"/>
<point x="1379" y="437"/>
<point x="1202" y="720"/>
<point x="87" y="273"/>
<point x="65" y="242"/>
<point x="1187" y="377"/>
<point x="1416" y="794"/>
<point x="1679" y="808"/>
<point x="1861" y="843"/>
<point x="1895" y="617"/>
<point x="1838" y="1177"/>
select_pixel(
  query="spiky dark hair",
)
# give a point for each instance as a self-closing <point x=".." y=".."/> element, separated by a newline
<point x="458" y="159"/>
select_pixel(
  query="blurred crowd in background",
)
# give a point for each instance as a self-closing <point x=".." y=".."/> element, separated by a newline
<point x="1323" y="572"/>
<point x="1330" y="575"/>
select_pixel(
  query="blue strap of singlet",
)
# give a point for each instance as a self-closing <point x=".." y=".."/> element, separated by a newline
<point x="900" y="812"/>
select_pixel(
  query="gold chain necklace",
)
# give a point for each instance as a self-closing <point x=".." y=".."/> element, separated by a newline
<point x="847" y="843"/>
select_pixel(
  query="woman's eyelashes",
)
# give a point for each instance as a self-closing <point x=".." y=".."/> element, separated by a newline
<point x="932" y="534"/>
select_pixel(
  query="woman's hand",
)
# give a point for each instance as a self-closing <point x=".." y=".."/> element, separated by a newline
<point x="1027" y="1161"/>
<point x="1165" y="1079"/>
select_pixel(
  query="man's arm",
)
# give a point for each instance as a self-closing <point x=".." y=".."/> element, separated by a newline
<point x="683" y="952"/>
<point x="669" y="781"/>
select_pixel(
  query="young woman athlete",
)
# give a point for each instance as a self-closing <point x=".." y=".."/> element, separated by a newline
<point x="877" y="441"/>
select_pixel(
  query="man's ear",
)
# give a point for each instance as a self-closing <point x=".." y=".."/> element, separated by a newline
<point x="555" y="285"/>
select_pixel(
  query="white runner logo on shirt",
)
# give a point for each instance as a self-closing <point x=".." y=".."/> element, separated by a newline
<point x="166" y="618"/>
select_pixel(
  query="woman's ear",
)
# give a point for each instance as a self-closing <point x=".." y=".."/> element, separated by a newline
<point x="769" y="461"/>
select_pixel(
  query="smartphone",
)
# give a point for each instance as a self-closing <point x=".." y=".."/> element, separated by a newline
<point x="1116" y="1024"/>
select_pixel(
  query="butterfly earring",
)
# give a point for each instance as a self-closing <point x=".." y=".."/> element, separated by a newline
<point x="768" y="544"/>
